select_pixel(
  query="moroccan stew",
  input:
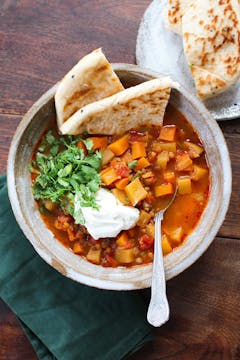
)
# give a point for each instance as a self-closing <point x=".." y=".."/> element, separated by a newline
<point x="141" y="169"/>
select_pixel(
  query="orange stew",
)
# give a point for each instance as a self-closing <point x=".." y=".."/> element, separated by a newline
<point x="141" y="168"/>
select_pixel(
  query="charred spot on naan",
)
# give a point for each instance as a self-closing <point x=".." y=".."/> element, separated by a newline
<point x="91" y="79"/>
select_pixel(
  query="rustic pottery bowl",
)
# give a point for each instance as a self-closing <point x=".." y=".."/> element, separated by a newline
<point x="54" y="253"/>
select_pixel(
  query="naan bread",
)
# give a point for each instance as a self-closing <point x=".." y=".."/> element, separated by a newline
<point x="140" y="104"/>
<point x="91" y="79"/>
<point x="211" y="40"/>
<point x="173" y="14"/>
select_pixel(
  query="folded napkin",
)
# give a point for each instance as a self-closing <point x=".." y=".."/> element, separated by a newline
<point x="65" y="320"/>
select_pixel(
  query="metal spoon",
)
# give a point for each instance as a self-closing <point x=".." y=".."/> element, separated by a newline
<point x="158" y="310"/>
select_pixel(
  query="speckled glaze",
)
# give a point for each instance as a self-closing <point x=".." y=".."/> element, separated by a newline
<point x="54" y="253"/>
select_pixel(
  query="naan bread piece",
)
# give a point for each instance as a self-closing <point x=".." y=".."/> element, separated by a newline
<point x="91" y="79"/>
<point x="140" y="104"/>
<point x="173" y="14"/>
<point x="211" y="40"/>
<point x="207" y="84"/>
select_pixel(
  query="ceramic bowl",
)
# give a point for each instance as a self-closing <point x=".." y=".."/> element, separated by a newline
<point x="54" y="253"/>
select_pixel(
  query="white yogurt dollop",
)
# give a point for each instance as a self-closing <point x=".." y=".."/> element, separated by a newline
<point x="111" y="218"/>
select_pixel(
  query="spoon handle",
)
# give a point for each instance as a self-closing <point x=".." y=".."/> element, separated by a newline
<point x="158" y="310"/>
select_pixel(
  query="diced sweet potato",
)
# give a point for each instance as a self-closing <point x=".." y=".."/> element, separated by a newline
<point x="122" y="183"/>
<point x="163" y="189"/>
<point x="124" y="241"/>
<point x="119" y="146"/>
<point x="198" y="173"/>
<point x="176" y="235"/>
<point x="94" y="255"/>
<point x="183" y="162"/>
<point x="162" y="159"/>
<point x="99" y="142"/>
<point x="124" y="256"/>
<point x="168" y="133"/>
<point x="78" y="249"/>
<point x="135" y="191"/>
<point x="166" y="246"/>
<point x="109" y="175"/>
<point x="121" y="196"/>
<point x="142" y="164"/>
<point x="184" y="185"/>
<point x="143" y="218"/>
<point x="138" y="150"/>
<point x="169" y="177"/>
<point x="108" y="155"/>
<point x="194" y="150"/>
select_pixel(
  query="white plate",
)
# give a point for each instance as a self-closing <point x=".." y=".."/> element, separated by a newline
<point x="161" y="50"/>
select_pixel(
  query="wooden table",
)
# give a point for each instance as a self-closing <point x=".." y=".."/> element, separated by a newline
<point x="40" y="40"/>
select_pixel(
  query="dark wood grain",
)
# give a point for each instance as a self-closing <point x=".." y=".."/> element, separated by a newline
<point x="14" y="344"/>
<point x="39" y="42"/>
<point x="204" y="323"/>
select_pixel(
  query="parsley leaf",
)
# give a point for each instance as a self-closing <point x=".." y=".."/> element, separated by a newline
<point x="132" y="164"/>
<point x="65" y="175"/>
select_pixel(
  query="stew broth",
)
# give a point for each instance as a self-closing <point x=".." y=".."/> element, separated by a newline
<point x="141" y="170"/>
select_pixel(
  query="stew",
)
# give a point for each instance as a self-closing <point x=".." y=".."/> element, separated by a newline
<point x="141" y="168"/>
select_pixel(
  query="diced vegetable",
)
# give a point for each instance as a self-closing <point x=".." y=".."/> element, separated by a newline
<point x="169" y="177"/>
<point x="162" y="159"/>
<point x="150" y="230"/>
<point x="124" y="256"/>
<point x="168" y="133"/>
<point x="142" y="163"/>
<point x="149" y="178"/>
<point x="169" y="146"/>
<point x="78" y="249"/>
<point x="122" y="183"/>
<point x="138" y="150"/>
<point x="50" y="205"/>
<point x="163" y="190"/>
<point x="176" y="235"/>
<point x="194" y="150"/>
<point x="198" y="173"/>
<point x="135" y="191"/>
<point x="127" y="157"/>
<point x="109" y="176"/>
<point x="184" y="185"/>
<point x="146" y="242"/>
<point x="166" y="246"/>
<point x="121" y="196"/>
<point x="122" y="170"/>
<point x="99" y="142"/>
<point x="119" y="146"/>
<point x="124" y="241"/>
<point x="108" y="155"/>
<point x="94" y="255"/>
<point x="183" y="162"/>
<point x="143" y="218"/>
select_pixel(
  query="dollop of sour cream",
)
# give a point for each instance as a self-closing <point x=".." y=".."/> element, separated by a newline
<point x="111" y="218"/>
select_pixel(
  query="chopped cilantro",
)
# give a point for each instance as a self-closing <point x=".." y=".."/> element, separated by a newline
<point x="67" y="176"/>
<point x="132" y="164"/>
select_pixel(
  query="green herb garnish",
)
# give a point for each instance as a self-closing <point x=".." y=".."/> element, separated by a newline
<point x="132" y="164"/>
<point x="66" y="175"/>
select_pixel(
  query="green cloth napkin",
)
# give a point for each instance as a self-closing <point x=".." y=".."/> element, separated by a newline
<point x="65" y="320"/>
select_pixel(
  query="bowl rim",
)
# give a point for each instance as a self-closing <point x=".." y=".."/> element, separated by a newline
<point x="113" y="284"/>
